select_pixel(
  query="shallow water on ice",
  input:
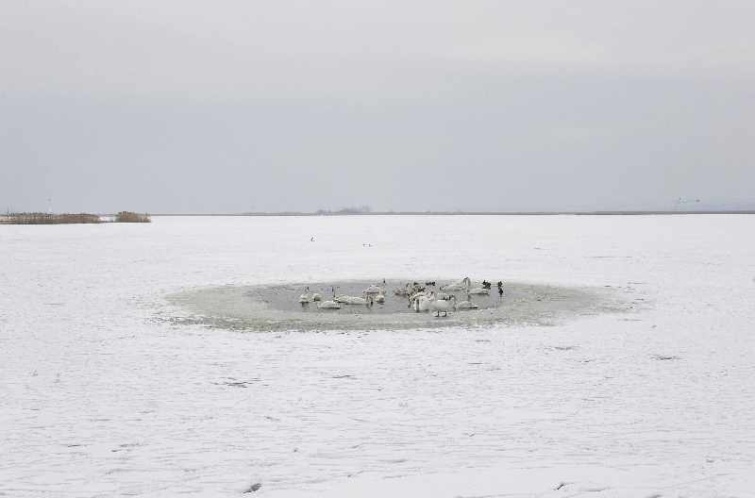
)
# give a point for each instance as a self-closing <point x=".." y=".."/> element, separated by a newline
<point x="106" y="391"/>
<point x="277" y="307"/>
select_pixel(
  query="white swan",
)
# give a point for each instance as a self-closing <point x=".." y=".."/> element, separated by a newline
<point x="380" y="299"/>
<point x="374" y="289"/>
<point x="461" y="285"/>
<point x="305" y="298"/>
<point x="316" y="297"/>
<point x="422" y="304"/>
<point x="328" y="305"/>
<point x="479" y="291"/>
<point x="421" y="301"/>
<point x="443" y="305"/>
<point x="366" y="301"/>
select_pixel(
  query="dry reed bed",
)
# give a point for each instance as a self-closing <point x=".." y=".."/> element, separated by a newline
<point x="71" y="218"/>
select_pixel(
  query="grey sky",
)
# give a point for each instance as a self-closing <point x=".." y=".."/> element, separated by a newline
<point x="188" y="106"/>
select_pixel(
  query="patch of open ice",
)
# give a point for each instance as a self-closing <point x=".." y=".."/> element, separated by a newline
<point x="276" y="307"/>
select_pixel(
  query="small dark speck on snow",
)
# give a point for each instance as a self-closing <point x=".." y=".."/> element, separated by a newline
<point x="564" y="348"/>
<point x="253" y="488"/>
<point x="661" y="357"/>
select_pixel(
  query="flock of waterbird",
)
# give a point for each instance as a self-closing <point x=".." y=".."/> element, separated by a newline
<point x="425" y="297"/>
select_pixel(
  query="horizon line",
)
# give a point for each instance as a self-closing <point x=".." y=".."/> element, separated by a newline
<point x="636" y="212"/>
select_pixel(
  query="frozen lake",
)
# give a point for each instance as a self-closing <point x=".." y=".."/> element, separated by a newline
<point x="110" y="389"/>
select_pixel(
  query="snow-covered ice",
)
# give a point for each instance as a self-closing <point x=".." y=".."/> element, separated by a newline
<point x="102" y="393"/>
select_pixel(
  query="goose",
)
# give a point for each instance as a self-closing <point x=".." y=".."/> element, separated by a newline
<point x="328" y="305"/>
<point x="462" y="284"/>
<point x="443" y="305"/>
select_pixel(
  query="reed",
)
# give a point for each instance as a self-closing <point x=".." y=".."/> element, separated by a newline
<point x="131" y="217"/>
<point x="48" y="218"/>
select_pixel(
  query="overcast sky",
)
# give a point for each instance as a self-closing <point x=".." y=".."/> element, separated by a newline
<point x="238" y="105"/>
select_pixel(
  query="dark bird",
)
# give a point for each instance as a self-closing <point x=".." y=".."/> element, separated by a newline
<point x="253" y="488"/>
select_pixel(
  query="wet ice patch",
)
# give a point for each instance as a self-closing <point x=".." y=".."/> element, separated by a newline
<point x="278" y="307"/>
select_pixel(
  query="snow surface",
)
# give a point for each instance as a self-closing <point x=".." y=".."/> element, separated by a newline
<point x="101" y="394"/>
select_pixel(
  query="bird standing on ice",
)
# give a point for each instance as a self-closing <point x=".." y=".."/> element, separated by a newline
<point x="443" y="305"/>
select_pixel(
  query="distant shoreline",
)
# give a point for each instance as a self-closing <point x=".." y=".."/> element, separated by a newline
<point x="466" y="213"/>
<point x="45" y="219"/>
<point x="37" y="218"/>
